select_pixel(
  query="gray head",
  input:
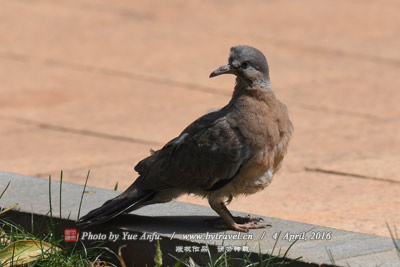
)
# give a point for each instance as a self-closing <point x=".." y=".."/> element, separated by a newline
<point x="247" y="63"/>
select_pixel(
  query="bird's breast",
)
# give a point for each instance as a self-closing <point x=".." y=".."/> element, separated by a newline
<point x="261" y="167"/>
<point x="257" y="123"/>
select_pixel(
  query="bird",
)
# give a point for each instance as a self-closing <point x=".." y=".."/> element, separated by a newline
<point x="234" y="151"/>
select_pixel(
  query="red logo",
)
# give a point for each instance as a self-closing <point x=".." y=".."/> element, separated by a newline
<point x="70" y="235"/>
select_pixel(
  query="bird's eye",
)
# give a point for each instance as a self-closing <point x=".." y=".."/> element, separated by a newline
<point x="245" y="65"/>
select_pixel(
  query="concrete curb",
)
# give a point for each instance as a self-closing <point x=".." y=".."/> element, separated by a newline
<point x="182" y="231"/>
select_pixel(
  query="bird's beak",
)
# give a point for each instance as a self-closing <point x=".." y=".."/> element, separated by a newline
<point x="222" y="70"/>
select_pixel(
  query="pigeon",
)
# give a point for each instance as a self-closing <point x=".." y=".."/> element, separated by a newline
<point x="227" y="153"/>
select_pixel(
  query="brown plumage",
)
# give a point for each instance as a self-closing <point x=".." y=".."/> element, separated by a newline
<point x="223" y="154"/>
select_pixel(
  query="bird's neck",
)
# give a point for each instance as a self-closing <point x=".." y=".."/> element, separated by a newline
<point x="257" y="88"/>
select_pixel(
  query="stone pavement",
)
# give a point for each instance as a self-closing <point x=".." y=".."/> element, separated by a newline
<point x="94" y="86"/>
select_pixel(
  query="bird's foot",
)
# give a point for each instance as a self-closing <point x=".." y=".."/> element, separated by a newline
<point x="247" y="219"/>
<point x="238" y="219"/>
<point x="242" y="224"/>
<point x="246" y="226"/>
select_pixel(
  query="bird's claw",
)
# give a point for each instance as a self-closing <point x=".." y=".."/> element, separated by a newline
<point x="246" y="227"/>
<point x="247" y="219"/>
<point x="242" y="224"/>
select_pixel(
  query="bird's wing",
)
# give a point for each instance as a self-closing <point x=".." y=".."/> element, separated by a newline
<point x="207" y="154"/>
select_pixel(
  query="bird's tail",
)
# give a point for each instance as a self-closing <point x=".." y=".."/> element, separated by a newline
<point x="129" y="200"/>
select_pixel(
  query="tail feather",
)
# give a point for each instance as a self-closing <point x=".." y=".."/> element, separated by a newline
<point x="112" y="208"/>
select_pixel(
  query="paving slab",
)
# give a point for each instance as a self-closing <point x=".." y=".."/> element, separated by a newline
<point x="375" y="97"/>
<point x="175" y="221"/>
<point x="381" y="168"/>
<point x="92" y="101"/>
<point x="30" y="154"/>
<point x="111" y="50"/>
<point x="104" y="173"/>
<point x="345" y="144"/>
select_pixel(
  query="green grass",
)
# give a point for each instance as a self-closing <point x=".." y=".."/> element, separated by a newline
<point x="63" y="254"/>
<point x="66" y="256"/>
<point x="395" y="237"/>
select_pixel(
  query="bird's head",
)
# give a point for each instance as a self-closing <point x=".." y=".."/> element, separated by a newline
<point x="247" y="63"/>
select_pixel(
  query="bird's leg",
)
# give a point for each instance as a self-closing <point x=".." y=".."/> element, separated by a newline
<point x="241" y="224"/>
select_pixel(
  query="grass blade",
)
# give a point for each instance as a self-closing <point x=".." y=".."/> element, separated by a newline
<point x="9" y="208"/>
<point x="61" y="181"/>
<point x="83" y="192"/>
<point x="51" y="208"/>
<point x="394" y="240"/>
<point x="5" y="189"/>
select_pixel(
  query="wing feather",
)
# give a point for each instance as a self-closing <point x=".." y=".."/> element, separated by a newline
<point x="208" y="151"/>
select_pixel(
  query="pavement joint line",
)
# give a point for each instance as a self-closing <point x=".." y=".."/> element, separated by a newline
<point x="87" y="167"/>
<point x="164" y="81"/>
<point x="323" y="50"/>
<point x="114" y="72"/>
<point x="91" y="133"/>
<point x="358" y="176"/>
<point x="15" y="56"/>
<point x="342" y="112"/>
